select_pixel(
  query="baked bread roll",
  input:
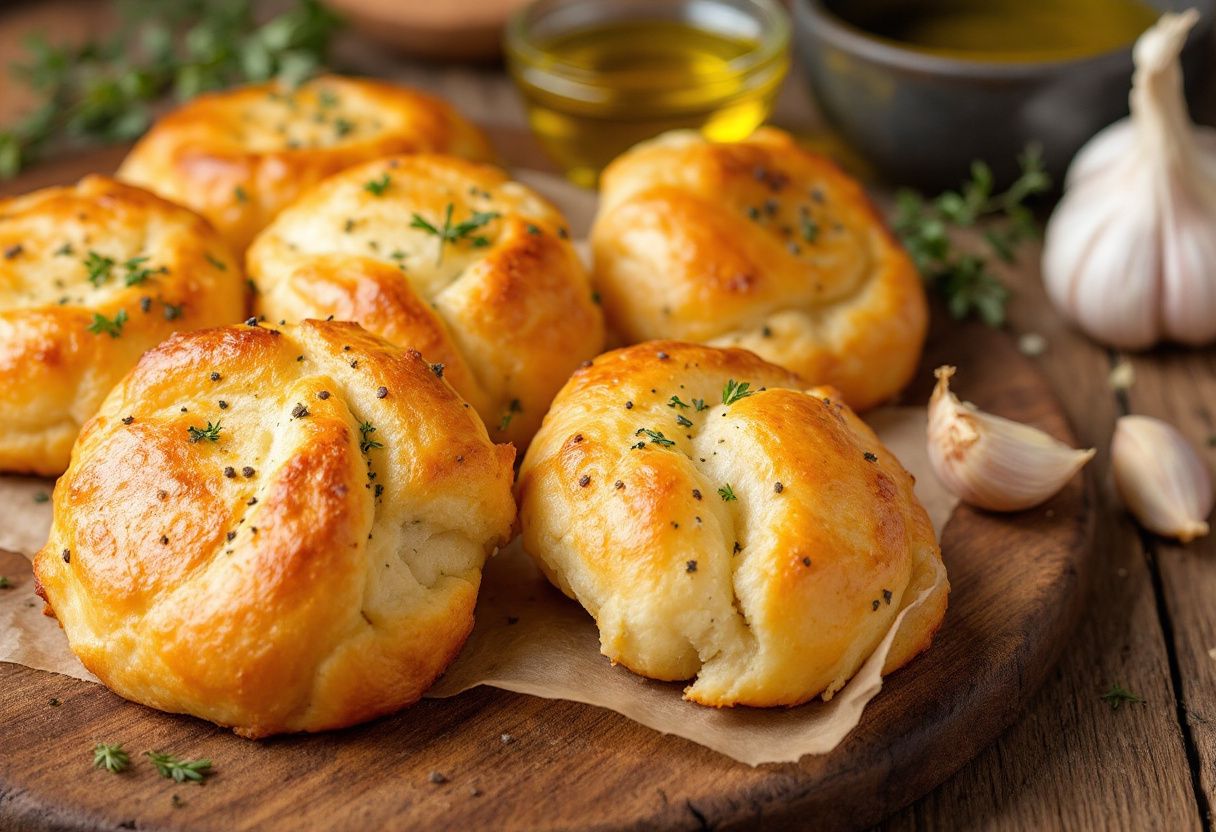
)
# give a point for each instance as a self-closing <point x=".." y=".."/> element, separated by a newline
<point x="722" y="522"/>
<point x="501" y="299"/>
<point x="90" y="277"/>
<point x="276" y="530"/>
<point x="238" y="156"/>
<point x="758" y="244"/>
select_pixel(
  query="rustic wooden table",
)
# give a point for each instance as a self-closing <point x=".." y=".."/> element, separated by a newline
<point x="1071" y="762"/>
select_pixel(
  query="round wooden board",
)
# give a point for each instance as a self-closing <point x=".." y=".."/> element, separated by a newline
<point x="1018" y="585"/>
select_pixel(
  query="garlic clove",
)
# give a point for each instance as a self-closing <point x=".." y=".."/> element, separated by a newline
<point x="992" y="462"/>
<point x="1160" y="478"/>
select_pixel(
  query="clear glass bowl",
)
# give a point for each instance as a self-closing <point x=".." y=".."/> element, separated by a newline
<point x="598" y="76"/>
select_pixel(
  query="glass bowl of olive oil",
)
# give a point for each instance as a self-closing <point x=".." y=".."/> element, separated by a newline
<point x="598" y="76"/>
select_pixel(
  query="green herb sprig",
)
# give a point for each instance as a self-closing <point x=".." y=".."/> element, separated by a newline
<point x="179" y="771"/>
<point x="104" y="89"/>
<point x="111" y="758"/>
<point x="964" y="278"/>
<point x="735" y="390"/>
<point x="211" y="433"/>
<point x="1118" y="695"/>
<point x="105" y="326"/>
<point x="449" y="233"/>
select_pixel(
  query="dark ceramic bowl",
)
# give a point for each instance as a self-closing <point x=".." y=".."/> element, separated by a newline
<point x="921" y="118"/>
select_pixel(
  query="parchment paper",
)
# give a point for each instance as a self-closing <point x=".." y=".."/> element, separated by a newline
<point x="530" y="639"/>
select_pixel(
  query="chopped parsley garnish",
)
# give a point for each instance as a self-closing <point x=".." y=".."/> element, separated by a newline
<point x="366" y="429"/>
<point x="733" y="391"/>
<point x="211" y="433"/>
<point x="343" y="126"/>
<point x="683" y="422"/>
<point x="871" y="457"/>
<point x="727" y="493"/>
<point x="179" y="771"/>
<point x="513" y="408"/>
<point x="1118" y="695"/>
<point x="454" y="233"/>
<point x="112" y="758"/>
<point x="240" y="194"/>
<point x="103" y="325"/>
<point x="377" y="187"/>
<point x="217" y="262"/>
<point x="810" y="229"/>
<point x="656" y="437"/>
<point x="98" y="267"/>
<point x="5" y="583"/>
<point x="675" y="402"/>
<point x="699" y="404"/>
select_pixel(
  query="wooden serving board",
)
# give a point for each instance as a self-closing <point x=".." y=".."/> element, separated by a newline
<point x="1018" y="585"/>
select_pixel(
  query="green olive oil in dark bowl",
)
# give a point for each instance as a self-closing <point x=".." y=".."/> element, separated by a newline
<point x="921" y="88"/>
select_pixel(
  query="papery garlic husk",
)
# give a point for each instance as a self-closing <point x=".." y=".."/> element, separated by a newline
<point x="1160" y="478"/>
<point x="991" y="462"/>
<point x="1130" y="251"/>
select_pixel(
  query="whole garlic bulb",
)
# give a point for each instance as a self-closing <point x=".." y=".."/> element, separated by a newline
<point x="1130" y="252"/>
<point x="1160" y="478"/>
<point x="991" y="462"/>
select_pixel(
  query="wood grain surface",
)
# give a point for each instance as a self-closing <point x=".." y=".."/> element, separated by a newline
<point x="1069" y="762"/>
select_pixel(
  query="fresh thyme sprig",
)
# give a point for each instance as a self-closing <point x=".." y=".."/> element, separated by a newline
<point x="103" y="325"/>
<point x="735" y="390"/>
<point x="1118" y="695"/>
<point x="211" y="433"/>
<point x="727" y="493"/>
<point x="454" y="233"/>
<point x="963" y="278"/>
<point x="179" y="771"/>
<point x="104" y="89"/>
<point x="112" y="758"/>
<point x="366" y="443"/>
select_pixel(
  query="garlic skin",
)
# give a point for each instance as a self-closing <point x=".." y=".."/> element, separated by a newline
<point x="1160" y="478"/>
<point x="991" y="462"/>
<point x="1130" y="251"/>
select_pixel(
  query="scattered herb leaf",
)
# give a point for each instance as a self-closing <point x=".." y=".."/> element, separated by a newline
<point x="112" y="758"/>
<point x="963" y="279"/>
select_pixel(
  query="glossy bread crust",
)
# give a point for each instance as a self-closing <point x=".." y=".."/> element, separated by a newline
<point x="764" y="549"/>
<point x="158" y="266"/>
<point x="505" y="306"/>
<point x="763" y="245"/>
<point x="314" y="566"/>
<point x="238" y="156"/>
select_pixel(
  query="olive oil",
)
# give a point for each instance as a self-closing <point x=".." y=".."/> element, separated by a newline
<point x="1003" y="30"/>
<point x="595" y="91"/>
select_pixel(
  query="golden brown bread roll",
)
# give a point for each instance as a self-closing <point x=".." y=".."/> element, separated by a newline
<point x="503" y="302"/>
<point x="238" y="156"/>
<point x="90" y="277"/>
<point x="720" y="522"/>
<point x="276" y="530"/>
<point x="758" y="244"/>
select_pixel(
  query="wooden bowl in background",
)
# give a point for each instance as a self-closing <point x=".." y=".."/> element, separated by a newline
<point x="451" y="30"/>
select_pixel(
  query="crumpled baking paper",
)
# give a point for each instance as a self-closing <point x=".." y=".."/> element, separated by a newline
<point x="529" y="638"/>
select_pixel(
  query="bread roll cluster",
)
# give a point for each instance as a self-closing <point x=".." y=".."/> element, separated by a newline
<point x="281" y="525"/>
